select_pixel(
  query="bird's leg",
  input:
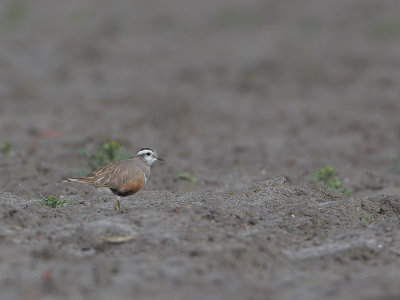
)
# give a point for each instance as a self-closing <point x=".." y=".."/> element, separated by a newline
<point x="116" y="202"/>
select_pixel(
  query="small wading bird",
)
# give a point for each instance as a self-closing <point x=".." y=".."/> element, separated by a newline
<point x="124" y="177"/>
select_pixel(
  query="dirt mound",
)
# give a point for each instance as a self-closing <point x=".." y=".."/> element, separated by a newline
<point x="13" y="215"/>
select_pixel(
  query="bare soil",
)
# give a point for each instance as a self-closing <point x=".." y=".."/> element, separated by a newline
<point x="250" y="98"/>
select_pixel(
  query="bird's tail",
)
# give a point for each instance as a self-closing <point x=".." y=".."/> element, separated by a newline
<point x="80" y="179"/>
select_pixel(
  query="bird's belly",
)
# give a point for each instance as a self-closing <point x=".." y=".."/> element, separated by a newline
<point x="129" y="188"/>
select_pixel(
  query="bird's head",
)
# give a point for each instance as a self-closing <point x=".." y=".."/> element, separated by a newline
<point x="149" y="156"/>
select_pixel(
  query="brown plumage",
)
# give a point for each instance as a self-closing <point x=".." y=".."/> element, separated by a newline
<point x="124" y="177"/>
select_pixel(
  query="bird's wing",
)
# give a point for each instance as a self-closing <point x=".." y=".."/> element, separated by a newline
<point x="114" y="176"/>
<point x="104" y="176"/>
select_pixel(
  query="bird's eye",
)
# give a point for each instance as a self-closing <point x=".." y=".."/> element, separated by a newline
<point x="148" y="153"/>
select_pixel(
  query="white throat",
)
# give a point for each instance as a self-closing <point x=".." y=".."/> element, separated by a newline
<point x="150" y="159"/>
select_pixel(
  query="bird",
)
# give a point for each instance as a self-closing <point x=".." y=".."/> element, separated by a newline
<point x="123" y="177"/>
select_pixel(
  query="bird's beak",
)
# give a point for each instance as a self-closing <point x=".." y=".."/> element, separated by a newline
<point x="160" y="159"/>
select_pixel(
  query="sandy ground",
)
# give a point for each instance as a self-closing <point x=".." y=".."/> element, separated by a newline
<point x="251" y="98"/>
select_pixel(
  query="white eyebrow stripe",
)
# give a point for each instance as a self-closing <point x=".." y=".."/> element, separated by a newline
<point x="144" y="152"/>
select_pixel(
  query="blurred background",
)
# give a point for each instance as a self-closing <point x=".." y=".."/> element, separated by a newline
<point x="230" y="92"/>
<point x="233" y="94"/>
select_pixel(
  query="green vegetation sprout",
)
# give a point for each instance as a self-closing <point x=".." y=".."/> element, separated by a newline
<point x="53" y="201"/>
<point x="186" y="176"/>
<point x="14" y="14"/>
<point x="395" y="159"/>
<point x="368" y="219"/>
<point x="6" y="148"/>
<point x="388" y="29"/>
<point x="106" y="153"/>
<point x="327" y="176"/>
